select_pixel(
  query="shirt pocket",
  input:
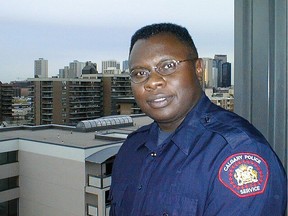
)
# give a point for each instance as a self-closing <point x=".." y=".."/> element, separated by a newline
<point x="170" y="204"/>
<point x="116" y="196"/>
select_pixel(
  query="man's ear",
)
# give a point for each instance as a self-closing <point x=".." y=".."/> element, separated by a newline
<point x="199" y="64"/>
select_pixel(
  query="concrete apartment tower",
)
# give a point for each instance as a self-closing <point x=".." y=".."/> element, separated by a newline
<point x="6" y="97"/>
<point x="65" y="101"/>
<point x="75" y="69"/>
<point x="41" y="68"/>
<point x="111" y="67"/>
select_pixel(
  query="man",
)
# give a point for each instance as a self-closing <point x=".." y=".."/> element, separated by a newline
<point x="195" y="158"/>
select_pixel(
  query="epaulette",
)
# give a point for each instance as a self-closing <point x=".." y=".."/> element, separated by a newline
<point x="231" y="130"/>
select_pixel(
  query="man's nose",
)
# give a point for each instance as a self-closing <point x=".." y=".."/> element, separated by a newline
<point x="154" y="81"/>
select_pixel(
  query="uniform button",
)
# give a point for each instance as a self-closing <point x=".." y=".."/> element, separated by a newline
<point x="165" y="214"/>
<point x="153" y="154"/>
<point x="207" y="119"/>
<point x="139" y="187"/>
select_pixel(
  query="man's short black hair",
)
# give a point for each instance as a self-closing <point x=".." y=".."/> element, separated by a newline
<point x="180" y="32"/>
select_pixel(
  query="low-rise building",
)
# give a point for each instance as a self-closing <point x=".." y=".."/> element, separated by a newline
<point x="57" y="170"/>
<point x="223" y="97"/>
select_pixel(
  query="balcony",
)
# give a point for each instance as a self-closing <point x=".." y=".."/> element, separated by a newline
<point x="99" y="181"/>
<point x="47" y="96"/>
<point x="93" y="210"/>
<point x="45" y="106"/>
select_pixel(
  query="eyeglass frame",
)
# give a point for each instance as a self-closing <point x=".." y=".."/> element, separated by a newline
<point x="158" y="70"/>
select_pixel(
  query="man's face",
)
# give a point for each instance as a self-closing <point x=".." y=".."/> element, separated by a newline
<point x="166" y="99"/>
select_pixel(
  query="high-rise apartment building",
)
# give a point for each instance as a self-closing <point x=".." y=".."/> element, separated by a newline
<point x="116" y="87"/>
<point x="20" y="88"/>
<point x="41" y="68"/>
<point x="68" y="101"/>
<point x="6" y="97"/>
<point x="65" y="101"/>
<point x="111" y="67"/>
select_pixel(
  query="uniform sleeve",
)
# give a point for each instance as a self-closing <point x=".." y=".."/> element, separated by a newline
<point x="248" y="183"/>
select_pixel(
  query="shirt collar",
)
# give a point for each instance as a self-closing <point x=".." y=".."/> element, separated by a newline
<point x="189" y="132"/>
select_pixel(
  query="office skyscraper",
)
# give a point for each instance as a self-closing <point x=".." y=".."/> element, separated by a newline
<point x="90" y="68"/>
<point x="75" y="69"/>
<point x="219" y="60"/>
<point x="217" y="72"/>
<point x="41" y="68"/>
<point x="125" y="66"/>
<point x="226" y="74"/>
<point x="207" y="72"/>
<point x="63" y="73"/>
<point x="222" y="58"/>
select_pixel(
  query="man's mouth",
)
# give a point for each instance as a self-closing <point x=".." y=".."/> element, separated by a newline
<point x="160" y="102"/>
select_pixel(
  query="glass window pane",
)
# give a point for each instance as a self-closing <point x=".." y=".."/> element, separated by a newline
<point x="8" y="157"/>
<point x="4" y="209"/>
<point x="8" y="183"/>
<point x="3" y="158"/>
<point x="13" y="207"/>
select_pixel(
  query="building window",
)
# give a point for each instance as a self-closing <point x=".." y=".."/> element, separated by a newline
<point x="8" y="183"/>
<point x="8" y="157"/>
<point x="9" y="208"/>
<point x="107" y="200"/>
<point x="109" y="165"/>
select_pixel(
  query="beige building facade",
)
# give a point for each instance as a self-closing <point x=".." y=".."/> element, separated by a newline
<point x="59" y="170"/>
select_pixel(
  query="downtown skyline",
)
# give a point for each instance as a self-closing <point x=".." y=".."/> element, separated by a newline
<point x="62" y="32"/>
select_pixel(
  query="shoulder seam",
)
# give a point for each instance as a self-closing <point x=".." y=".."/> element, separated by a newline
<point x="225" y="130"/>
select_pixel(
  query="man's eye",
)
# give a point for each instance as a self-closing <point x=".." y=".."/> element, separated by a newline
<point x="140" y="73"/>
<point x="169" y="65"/>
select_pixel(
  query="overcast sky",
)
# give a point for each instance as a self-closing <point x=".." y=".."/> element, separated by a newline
<point x="62" y="31"/>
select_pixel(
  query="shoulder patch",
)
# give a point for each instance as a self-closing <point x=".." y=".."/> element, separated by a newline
<point x="245" y="174"/>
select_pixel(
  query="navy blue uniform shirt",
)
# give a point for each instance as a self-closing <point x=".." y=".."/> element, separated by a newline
<point x="215" y="163"/>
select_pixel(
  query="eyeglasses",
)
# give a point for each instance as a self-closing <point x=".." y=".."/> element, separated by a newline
<point x="166" y="67"/>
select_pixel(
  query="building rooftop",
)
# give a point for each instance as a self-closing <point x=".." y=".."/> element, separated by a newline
<point x="70" y="136"/>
